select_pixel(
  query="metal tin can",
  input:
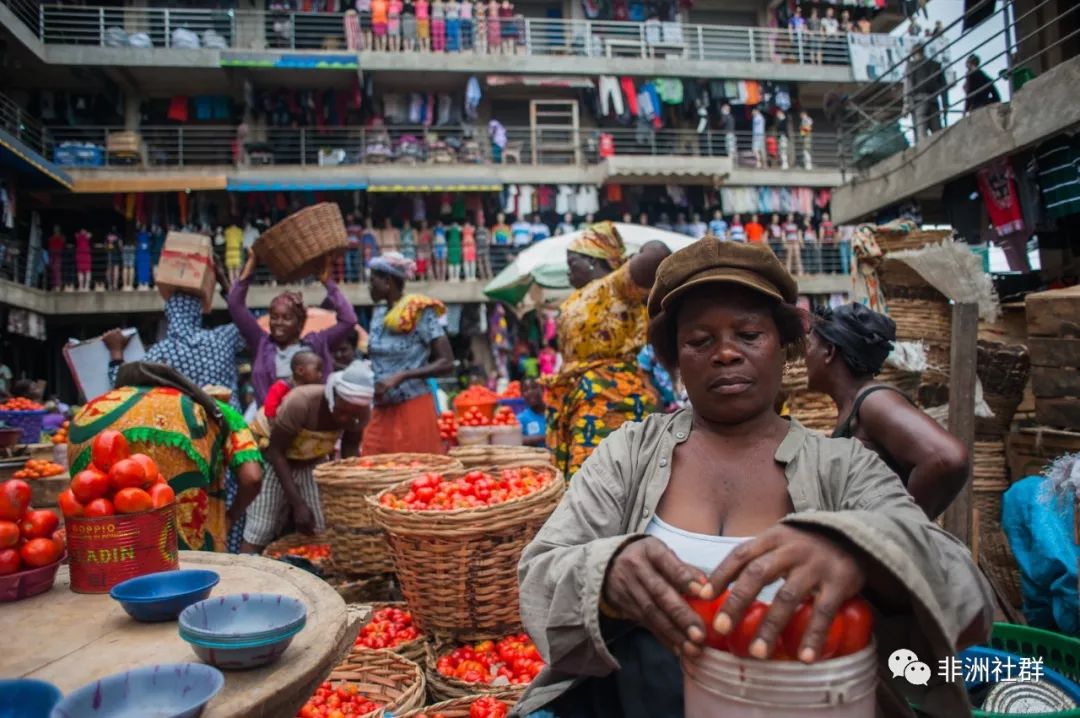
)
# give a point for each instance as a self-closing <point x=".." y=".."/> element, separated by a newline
<point x="108" y="550"/>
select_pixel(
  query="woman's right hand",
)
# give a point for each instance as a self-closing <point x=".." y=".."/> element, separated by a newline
<point x="115" y="341"/>
<point x="646" y="583"/>
<point x="249" y="266"/>
<point x="303" y="518"/>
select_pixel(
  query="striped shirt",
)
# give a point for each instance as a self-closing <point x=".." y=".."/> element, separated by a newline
<point x="1059" y="176"/>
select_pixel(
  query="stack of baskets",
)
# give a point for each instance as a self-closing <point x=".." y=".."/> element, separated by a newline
<point x="814" y="410"/>
<point x="357" y="545"/>
<point x="990" y="479"/>
<point x="922" y="314"/>
<point x="495" y="455"/>
<point x="297" y="246"/>
<point x="383" y="676"/>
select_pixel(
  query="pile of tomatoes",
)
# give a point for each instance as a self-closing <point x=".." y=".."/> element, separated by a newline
<point x="116" y="482"/>
<point x="474" y="417"/>
<point x="504" y="416"/>
<point x="850" y="632"/>
<point x="61" y="435"/>
<point x="512" y="660"/>
<point x="390" y="627"/>
<point x="432" y="492"/>
<point x="448" y="426"/>
<point x="28" y="538"/>
<point x="512" y="391"/>
<point x="314" y="552"/>
<point x="483" y="707"/>
<point x="39" y="469"/>
<point x="19" y="403"/>
<point x="337" y="701"/>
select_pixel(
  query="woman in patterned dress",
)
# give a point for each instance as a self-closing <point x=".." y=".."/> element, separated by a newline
<point x="602" y="327"/>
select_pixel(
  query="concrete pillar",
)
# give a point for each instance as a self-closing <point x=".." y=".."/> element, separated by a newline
<point x="131" y="113"/>
<point x="251" y="27"/>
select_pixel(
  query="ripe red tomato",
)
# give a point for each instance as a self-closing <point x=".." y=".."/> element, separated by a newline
<point x="98" y="508"/>
<point x="60" y="537"/>
<point x="488" y="707"/>
<point x="796" y="627"/>
<point x="39" y="552"/>
<point x="150" y="468"/>
<point x="69" y="505"/>
<point x="132" y="500"/>
<point x="9" y="534"/>
<point x="858" y="626"/>
<point x="108" y="448"/>
<point x="740" y="637"/>
<point x="127" y="474"/>
<point x="89" y="485"/>
<point x="161" y="495"/>
<point x="14" y="499"/>
<point x="10" y="562"/>
<point x="39" y="524"/>
<point x="706" y="611"/>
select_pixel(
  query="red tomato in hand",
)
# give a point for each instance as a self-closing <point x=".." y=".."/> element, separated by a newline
<point x="9" y="534"/>
<point x="39" y="552"/>
<point x="858" y="626"/>
<point x="108" y="448"/>
<point x="161" y="495"/>
<point x="98" y="508"/>
<point x="69" y="505"/>
<point x="127" y="474"/>
<point x="740" y="637"/>
<point x="89" y="485"/>
<point x="150" y="469"/>
<point x="132" y="500"/>
<point x="14" y="499"/>
<point x="39" y="524"/>
<point x="9" y="561"/>
<point x="706" y="611"/>
<point x="800" y="621"/>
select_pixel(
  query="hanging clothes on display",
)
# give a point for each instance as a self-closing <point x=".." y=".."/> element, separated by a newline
<point x="1059" y="175"/>
<point x="999" y="194"/>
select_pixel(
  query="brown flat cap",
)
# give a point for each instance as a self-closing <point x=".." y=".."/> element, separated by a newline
<point x="711" y="260"/>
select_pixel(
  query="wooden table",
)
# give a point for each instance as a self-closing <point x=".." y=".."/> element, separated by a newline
<point x="71" y="639"/>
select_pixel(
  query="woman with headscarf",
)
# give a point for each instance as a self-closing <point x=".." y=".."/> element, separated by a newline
<point x="407" y="345"/>
<point x="847" y="348"/>
<point x="727" y="495"/>
<point x="601" y="329"/>
<point x="272" y="351"/>
<point x="304" y="432"/>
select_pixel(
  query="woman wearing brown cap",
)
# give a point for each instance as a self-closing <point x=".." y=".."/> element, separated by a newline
<point x="601" y="329"/>
<point x="727" y="494"/>
<point x="847" y="348"/>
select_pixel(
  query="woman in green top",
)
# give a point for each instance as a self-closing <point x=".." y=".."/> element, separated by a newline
<point x="453" y="252"/>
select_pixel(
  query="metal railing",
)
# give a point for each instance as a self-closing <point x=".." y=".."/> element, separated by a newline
<point x="201" y="145"/>
<point x="883" y="118"/>
<point x="18" y="123"/>
<point x="140" y="27"/>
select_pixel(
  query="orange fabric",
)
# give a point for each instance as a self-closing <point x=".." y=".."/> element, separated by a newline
<point x="378" y="10"/>
<point x="406" y="427"/>
<point x="755" y="232"/>
<point x="614" y="193"/>
<point x="753" y="92"/>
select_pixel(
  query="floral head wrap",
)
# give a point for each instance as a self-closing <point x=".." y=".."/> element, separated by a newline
<point x="601" y="241"/>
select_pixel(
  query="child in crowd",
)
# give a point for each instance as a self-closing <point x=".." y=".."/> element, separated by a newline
<point x="307" y="368"/>
<point x="532" y="420"/>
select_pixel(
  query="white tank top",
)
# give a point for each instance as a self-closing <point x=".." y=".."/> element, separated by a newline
<point x="702" y="550"/>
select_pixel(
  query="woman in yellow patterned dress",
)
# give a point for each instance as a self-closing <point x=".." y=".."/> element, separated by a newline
<point x="601" y="326"/>
<point x="191" y="450"/>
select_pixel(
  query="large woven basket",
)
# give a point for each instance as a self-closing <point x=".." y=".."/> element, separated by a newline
<point x="414" y="649"/>
<point x="386" y="678"/>
<point x="283" y="545"/>
<point x="458" y="569"/>
<point x="358" y="544"/>
<point x="445" y="688"/>
<point x="1003" y="370"/>
<point x="295" y="247"/>
<point x="459" y="707"/>
<point x="494" y="455"/>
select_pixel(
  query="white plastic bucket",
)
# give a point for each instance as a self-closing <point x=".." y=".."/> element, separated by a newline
<point x="720" y="685"/>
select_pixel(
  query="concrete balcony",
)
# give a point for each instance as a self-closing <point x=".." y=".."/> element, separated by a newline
<point x="133" y="37"/>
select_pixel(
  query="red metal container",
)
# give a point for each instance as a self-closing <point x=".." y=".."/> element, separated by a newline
<point x="105" y="551"/>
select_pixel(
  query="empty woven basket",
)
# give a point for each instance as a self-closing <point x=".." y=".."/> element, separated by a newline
<point x="296" y="246"/>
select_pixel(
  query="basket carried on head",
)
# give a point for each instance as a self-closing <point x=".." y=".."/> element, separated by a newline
<point x="396" y="683"/>
<point x="495" y="455"/>
<point x="458" y="568"/>
<point x="459" y="707"/>
<point x="294" y="248"/>
<point x="357" y="543"/>
<point x="413" y="650"/>
<point x="447" y="688"/>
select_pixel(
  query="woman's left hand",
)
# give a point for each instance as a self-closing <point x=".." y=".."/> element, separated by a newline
<point x="811" y="564"/>
<point x="387" y="384"/>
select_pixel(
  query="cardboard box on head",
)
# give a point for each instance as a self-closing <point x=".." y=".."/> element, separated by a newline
<point x="187" y="265"/>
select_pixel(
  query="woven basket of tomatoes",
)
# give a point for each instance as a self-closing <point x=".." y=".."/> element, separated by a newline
<point x="25" y="415"/>
<point x="390" y="626"/>
<point x="456" y="539"/>
<point x="394" y="684"/>
<point x="356" y="540"/>
<point x="31" y="544"/>
<point x="478" y="456"/>
<point x="504" y="667"/>
<point x="477" y="706"/>
<point x="301" y="546"/>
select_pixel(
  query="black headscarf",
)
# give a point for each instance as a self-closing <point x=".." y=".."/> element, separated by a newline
<point x="863" y="337"/>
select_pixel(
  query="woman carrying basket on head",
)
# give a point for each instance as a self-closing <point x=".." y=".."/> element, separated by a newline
<point x="272" y="351"/>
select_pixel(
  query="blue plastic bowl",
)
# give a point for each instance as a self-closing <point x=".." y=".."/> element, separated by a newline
<point x="162" y="596"/>
<point x="27" y="698"/>
<point x="171" y="690"/>
<point x="241" y="656"/>
<point x="243" y="618"/>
